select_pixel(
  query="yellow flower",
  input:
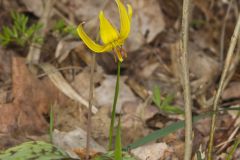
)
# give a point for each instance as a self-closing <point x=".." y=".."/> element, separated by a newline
<point x="112" y="39"/>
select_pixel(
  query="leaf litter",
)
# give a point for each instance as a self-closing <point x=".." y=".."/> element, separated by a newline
<point x="152" y="46"/>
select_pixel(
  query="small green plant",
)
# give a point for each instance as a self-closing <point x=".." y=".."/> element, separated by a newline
<point x="20" y="33"/>
<point x="63" y="29"/>
<point x="165" y="104"/>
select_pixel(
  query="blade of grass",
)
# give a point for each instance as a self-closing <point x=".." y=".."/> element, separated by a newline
<point x="233" y="149"/>
<point x="163" y="132"/>
<point x="169" y="129"/>
<point x="227" y="64"/>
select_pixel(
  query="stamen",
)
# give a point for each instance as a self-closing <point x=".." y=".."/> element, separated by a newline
<point x="123" y="52"/>
<point x="119" y="54"/>
<point x="115" y="58"/>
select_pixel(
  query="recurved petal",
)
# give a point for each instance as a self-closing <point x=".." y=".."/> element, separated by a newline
<point x="108" y="32"/>
<point x="90" y="43"/>
<point x="125" y="19"/>
<point x="130" y="11"/>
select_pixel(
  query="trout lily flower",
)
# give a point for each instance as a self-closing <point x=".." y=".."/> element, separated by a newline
<point x="112" y="39"/>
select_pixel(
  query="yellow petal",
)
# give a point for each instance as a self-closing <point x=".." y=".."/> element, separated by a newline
<point x="90" y="43"/>
<point x="108" y="32"/>
<point x="130" y="11"/>
<point x="125" y="19"/>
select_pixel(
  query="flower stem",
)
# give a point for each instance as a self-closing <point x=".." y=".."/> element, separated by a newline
<point x="114" y="107"/>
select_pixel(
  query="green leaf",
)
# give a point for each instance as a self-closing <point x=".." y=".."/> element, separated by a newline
<point x="118" y="145"/>
<point x="24" y="24"/>
<point x="36" y="150"/>
<point x="167" y="100"/>
<point x="7" y="31"/>
<point x="38" y="40"/>
<point x="59" y="25"/>
<point x="13" y="15"/>
<point x="157" y="96"/>
<point x="15" y="32"/>
<point x="71" y="30"/>
<point x="5" y="42"/>
<point x="172" y="109"/>
<point x="165" y="104"/>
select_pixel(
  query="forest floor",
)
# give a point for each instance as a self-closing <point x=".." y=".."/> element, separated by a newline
<point x="61" y="77"/>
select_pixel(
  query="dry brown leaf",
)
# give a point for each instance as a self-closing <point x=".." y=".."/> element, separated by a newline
<point x="232" y="91"/>
<point x="70" y="116"/>
<point x="81" y="82"/>
<point x="74" y="140"/>
<point x="155" y="151"/>
<point x="59" y="81"/>
<point x="101" y="123"/>
<point x="32" y="99"/>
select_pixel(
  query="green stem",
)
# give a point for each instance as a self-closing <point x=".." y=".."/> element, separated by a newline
<point x="118" y="143"/>
<point x="114" y="107"/>
<point x="230" y="155"/>
<point x="51" y="125"/>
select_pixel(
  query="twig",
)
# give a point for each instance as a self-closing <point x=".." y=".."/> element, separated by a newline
<point x="223" y="31"/>
<point x="234" y="64"/>
<point x="186" y="84"/>
<point x="212" y="3"/>
<point x="228" y="61"/>
<point x="89" y="121"/>
<point x="232" y="70"/>
<point x="230" y="139"/>
<point x="61" y="69"/>
<point x="34" y="52"/>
